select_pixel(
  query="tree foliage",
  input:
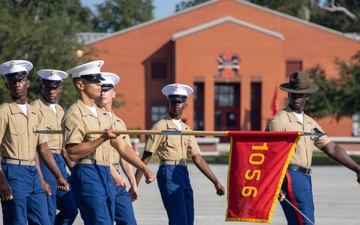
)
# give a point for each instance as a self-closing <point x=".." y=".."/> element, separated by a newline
<point x="349" y="87"/>
<point x="320" y="103"/>
<point x="337" y="97"/>
<point x="187" y="4"/>
<point x="44" y="33"/>
<point x="341" y="15"/>
<point x="115" y="15"/>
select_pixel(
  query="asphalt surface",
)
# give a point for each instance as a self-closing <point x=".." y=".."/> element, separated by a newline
<point x="336" y="196"/>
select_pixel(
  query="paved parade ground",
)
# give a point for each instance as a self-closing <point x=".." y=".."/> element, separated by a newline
<point x="336" y="195"/>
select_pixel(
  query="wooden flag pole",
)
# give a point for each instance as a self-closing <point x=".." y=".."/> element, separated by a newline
<point x="164" y="132"/>
<point x="146" y="132"/>
<point x="317" y="133"/>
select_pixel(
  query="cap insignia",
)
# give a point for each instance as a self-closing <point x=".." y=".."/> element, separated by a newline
<point x="52" y="72"/>
<point x="99" y="64"/>
<point x="12" y="64"/>
<point x="176" y="86"/>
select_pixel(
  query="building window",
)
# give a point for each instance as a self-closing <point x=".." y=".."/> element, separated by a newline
<point x="356" y="124"/>
<point x="292" y="66"/>
<point x="226" y="95"/>
<point x="199" y="106"/>
<point x="157" y="113"/>
<point x="159" y="70"/>
<point x="255" y="114"/>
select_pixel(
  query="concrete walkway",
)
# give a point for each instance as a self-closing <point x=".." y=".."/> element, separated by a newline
<point x="336" y="195"/>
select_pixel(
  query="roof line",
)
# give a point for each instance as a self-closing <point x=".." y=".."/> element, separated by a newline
<point x="213" y="1"/>
<point x="153" y="21"/>
<point x="223" y="20"/>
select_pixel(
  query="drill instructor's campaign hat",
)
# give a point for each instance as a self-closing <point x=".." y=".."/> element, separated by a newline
<point x="89" y="71"/>
<point x="177" y="92"/>
<point x="52" y="78"/>
<point x="299" y="82"/>
<point x="110" y="80"/>
<point x="15" y="69"/>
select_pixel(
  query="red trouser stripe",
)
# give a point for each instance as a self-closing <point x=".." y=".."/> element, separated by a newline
<point x="292" y="198"/>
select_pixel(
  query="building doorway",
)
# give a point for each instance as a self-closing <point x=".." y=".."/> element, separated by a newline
<point x="227" y="108"/>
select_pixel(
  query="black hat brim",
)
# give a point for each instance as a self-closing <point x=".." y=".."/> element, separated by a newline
<point x="51" y="83"/>
<point x="93" y="77"/>
<point x="310" y="89"/>
<point x="15" y="76"/>
<point x="177" y="98"/>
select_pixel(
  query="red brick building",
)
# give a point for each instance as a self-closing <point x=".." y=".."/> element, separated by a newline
<point x="260" y="46"/>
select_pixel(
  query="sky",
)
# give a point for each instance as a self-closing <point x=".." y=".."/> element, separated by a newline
<point x="162" y="8"/>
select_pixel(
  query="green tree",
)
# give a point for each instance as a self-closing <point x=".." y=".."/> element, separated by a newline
<point x="341" y="15"/>
<point x="187" y="4"/>
<point x="115" y="15"/>
<point x="44" y="33"/>
<point x="337" y="97"/>
<point x="348" y="102"/>
<point x="320" y="103"/>
<point x="296" y="8"/>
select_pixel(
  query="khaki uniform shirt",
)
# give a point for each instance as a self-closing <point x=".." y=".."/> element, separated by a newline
<point x="17" y="136"/>
<point x="77" y="120"/>
<point x="285" y="120"/>
<point x="52" y="121"/>
<point x="119" y="125"/>
<point x="171" y="147"/>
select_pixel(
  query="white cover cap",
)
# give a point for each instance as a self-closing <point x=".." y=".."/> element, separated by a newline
<point x="15" y="66"/>
<point x="110" y="78"/>
<point x="177" y="90"/>
<point x="54" y="75"/>
<point x="86" y="69"/>
<point x="52" y="78"/>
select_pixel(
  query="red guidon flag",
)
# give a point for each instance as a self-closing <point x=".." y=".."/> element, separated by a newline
<point x="257" y="165"/>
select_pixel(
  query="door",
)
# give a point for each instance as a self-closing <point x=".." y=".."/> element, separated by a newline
<point x="227" y="108"/>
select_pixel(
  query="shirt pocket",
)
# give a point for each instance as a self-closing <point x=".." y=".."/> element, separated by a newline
<point x="18" y="136"/>
<point x="172" y="143"/>
<point x="186" y="141"/>
<point x="48" y="125"/>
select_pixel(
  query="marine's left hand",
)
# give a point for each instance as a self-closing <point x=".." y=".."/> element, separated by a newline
<point x="62" y="184"/>
<point x="149" y="176"/>
<point x="134" y="193"/>
<point x="220" y="190"/>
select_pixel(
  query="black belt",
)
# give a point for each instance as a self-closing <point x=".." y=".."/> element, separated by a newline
<point x="299" y="168"/>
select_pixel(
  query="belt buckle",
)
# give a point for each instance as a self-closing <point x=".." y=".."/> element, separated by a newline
<point x="183" y="162"/>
